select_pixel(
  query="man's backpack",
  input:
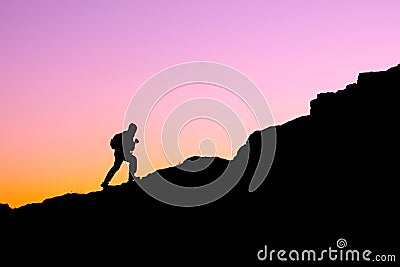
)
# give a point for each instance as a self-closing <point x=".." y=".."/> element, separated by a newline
<point x="116" y="141"/>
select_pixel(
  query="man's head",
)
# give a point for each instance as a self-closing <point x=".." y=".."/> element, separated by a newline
<point x="132" y="128"/>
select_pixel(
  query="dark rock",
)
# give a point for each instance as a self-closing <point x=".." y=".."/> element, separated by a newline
<point x="334" y="176"/>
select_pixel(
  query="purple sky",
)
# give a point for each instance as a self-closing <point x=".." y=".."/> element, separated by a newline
<point x="68" y="69"/>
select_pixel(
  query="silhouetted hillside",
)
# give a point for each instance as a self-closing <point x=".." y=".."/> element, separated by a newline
<point x="334" y="176"/>
<point x="204" y="171"/>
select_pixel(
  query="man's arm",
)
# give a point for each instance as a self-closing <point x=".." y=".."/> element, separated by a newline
<point x="134" y="143"/>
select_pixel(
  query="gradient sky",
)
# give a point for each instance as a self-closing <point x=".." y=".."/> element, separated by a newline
<point x="68" y="70"/>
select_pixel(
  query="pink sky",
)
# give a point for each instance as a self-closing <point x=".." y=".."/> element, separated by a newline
<point x="68" y="70"/>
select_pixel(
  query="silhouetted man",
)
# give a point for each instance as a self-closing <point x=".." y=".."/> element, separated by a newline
<point x="123" y="145"/>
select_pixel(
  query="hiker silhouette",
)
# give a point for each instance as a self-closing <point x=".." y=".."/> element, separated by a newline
<point x="123" y="145"/>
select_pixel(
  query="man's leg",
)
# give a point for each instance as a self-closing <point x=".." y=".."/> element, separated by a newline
<point x="117" y="164"/>
<point x="132" y="167"/>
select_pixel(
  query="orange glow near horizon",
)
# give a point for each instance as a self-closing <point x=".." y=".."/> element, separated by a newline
<point x="69" y="69"/>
